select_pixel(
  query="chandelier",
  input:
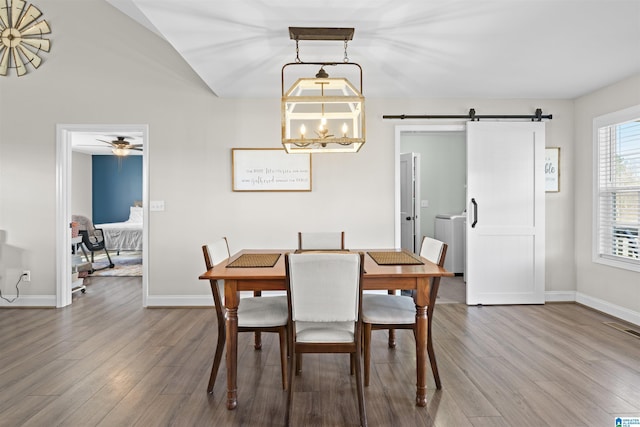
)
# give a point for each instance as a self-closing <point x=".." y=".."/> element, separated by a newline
<point x="322" y="114"/>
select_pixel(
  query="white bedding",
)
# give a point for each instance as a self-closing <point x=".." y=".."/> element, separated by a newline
<point x="124" y="236"/>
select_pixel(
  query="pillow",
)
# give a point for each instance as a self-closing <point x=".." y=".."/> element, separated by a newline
<point x="135" y="214"/>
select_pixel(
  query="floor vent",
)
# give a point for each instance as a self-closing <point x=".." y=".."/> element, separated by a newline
<point x="623" y="328"/>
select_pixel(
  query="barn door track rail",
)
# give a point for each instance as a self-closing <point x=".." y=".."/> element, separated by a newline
<point x="537" y="117"/>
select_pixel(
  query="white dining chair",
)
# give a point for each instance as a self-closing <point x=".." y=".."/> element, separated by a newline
<point x="328" y="240"/>
<point x="255" y="314"/>
<point x="392" y="312"/>
<point x="324" y="293"/>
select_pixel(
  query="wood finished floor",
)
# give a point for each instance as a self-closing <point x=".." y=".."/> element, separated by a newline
<point x="106" y="361"/>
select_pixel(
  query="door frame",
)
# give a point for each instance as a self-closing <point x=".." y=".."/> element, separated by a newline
<point x="415" y="197"/>
<point x="399" y="130"/>
<point x="63" y="203"/>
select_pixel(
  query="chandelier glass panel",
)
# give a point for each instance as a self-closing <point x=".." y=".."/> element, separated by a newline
<point x="322" y="114"/>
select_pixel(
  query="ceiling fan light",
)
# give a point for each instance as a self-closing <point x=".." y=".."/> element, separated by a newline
<point x="121" y="152"/>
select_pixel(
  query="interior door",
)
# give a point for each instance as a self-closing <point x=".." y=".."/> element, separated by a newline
<point x="409" y="199"/>
<point x="505" y="213"/>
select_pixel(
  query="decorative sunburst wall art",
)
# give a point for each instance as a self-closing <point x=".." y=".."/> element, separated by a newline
<point x="21" y="36"/>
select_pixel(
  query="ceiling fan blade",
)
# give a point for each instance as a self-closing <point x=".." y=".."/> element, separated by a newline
<point x="107" y="142"/>
<point x="135" y="148"/>
<point x="135" y="145"/>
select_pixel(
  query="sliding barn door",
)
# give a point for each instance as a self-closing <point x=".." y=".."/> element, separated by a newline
<point x="505" y="213"/>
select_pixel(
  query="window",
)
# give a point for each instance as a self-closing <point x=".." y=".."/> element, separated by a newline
<point x="617" y="189"/>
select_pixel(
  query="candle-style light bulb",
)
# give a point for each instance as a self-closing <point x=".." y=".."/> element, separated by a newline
<point x="323" y="123"/>
<point x="345" y="128"/>
<point x="303" y="130"/>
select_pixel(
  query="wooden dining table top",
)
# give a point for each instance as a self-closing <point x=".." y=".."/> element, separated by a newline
<point x="272" y="278"/>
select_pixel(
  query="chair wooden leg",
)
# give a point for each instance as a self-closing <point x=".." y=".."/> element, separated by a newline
<point x="367" y="352"/>
<point x="432" y="358"/>
<point x="283" y="356"/>
<point x="258" y="337"/>
<point x="291" y="366"/>
<point x="352" y="364"/>
<point x="258" y="341"/>
<point x="392" y="338"/>
<point x="360" y="388"/>
<point x="217" y="358"/>
<point x="298" y="364"/>
<point x="392" y="332"/>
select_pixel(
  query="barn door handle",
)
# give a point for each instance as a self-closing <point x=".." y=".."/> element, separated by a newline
<point x="475" y="213"/>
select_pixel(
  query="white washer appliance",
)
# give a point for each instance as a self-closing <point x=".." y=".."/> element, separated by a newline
<point x="450" y="230"/>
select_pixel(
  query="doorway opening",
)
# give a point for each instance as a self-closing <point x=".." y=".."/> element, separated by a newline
<point x="442" y="150"/>
<point x="442" y="190"/>
<point x="72" y="142"/>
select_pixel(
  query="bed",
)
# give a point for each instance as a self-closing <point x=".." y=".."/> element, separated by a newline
<point x="124" y="236"/>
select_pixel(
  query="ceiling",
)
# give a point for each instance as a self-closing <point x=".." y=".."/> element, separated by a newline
<point x="407" y="49"/>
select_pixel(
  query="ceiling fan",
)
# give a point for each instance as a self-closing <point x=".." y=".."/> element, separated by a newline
<point x="121" y="147"/>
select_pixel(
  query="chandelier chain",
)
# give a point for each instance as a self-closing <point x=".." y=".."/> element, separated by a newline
<point x="298" y="52"/>
<point x="346" y="57"/>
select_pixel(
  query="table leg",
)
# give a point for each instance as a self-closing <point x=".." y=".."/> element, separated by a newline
<point x="231" y="299"/>
<point x="421" y="356"/>
<point x="232" y="355"/>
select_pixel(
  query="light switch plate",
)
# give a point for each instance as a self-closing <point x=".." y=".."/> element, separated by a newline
<point x="424" y="203"/>
<point x="156" y="205"/>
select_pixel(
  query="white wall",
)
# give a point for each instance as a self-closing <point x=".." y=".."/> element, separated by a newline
<point x="104" y="68"/>
<point x="606" y="288"/>
<point x="81" y="184"/>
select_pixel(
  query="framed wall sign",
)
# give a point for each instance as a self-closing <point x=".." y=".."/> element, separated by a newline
<point x="552" y="169"/>
<point x="270" y="169"/>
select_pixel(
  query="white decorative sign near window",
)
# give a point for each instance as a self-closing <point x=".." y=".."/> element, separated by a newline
<point x="270" y="169"/>
<point x="552" y="169"/>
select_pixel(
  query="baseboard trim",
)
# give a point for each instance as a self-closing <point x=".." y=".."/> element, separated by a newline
<point x="560" y="296"/>
<point x="609" y="308"/>
<point x="28" y="301"/>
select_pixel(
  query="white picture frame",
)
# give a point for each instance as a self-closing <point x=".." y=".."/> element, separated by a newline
<point x="269" y="169"/>
<point x="552" y="169"/>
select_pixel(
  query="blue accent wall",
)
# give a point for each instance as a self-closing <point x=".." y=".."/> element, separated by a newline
<point x="117" y="183"/>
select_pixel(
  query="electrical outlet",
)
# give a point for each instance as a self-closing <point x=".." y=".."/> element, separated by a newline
<point x="26" y="276"/>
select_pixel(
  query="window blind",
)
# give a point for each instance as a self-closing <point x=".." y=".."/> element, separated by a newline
<point x="619" y="191"/>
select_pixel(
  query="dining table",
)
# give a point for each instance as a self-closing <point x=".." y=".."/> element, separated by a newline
<point x="384" y="269"/>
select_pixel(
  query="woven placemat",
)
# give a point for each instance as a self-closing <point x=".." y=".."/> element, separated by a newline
<point x="322" y="251"/>
<point x="255" y="260"/>
<point x="395" y="258"/>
